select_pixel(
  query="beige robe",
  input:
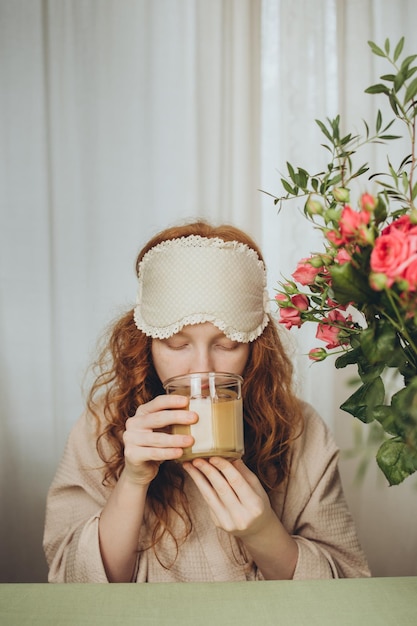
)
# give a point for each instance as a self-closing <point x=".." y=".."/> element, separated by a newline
<point x="311" y="506"/>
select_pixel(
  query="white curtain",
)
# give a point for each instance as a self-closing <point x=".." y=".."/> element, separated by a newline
<point x="316" y="64"/>
<point x="118" y="118"/>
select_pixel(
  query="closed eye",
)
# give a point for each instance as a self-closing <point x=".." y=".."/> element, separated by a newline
<point x="228" y="346"/>
<point x="177" y="346"/>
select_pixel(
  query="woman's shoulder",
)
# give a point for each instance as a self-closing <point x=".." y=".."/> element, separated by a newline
<point x="88" y="424"/>
<point x="314" y="424"/>
<point x="86" y="430"/>
<point x="316" y="442"/>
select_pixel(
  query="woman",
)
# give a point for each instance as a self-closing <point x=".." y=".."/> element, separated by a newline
<point x="122" y="508"/>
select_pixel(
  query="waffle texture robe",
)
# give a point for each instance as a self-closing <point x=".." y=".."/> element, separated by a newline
<point x="310" y="505"/>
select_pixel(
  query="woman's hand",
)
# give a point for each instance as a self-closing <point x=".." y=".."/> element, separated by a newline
<point x="147" y="440"/>
<point x="239" y="505"/>
<point x="237" y="501"/>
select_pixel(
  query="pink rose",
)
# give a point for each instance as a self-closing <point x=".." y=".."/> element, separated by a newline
<point x="368" y="202"/>
<point x="343" y="256"/>
<point x="410" y="273"/>
<point x="352" y="223"/>
<point x="291" y="315"/>
<point x="352" y="227"/>
<point x="330" y="328"/>
<point x="335" y="305"/>
<point x="390" y="252"/>
<point x="402" y="223"/>
<point x="335" y="238"/>
<point x="305" y="273"/>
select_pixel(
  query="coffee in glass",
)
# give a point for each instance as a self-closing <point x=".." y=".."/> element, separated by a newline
<point x="217" y="399"/>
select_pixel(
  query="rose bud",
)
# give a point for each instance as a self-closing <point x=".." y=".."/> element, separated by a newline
<point x="317" y="354"/>
<point x="313" y="207"/>
<point x="368" y="202"/>
<point x="341" y="194"/>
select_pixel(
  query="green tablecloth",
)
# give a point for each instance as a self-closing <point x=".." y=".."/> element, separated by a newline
<point x="353" y="602"/>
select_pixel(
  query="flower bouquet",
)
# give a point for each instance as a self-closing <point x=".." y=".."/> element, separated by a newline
<point x="361" y="289"/>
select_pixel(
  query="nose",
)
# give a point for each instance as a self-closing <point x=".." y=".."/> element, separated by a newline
<point x="202" y="361"/>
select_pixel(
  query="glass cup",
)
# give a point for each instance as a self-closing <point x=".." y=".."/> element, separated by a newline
<point x="217" y="398"/>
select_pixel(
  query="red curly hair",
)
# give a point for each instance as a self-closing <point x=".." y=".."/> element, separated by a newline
<point x="127" y="378"/>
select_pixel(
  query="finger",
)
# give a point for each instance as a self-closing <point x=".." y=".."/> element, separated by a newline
<point x="230" y="482"/>
<point x="224" y="509"/>
<point x="152" y="439"/>
<point x="136" y="455"/>
<point x="229" y="473"/>
<point x="216" y="480"/>
<point x="247" y="474"/>
<point x="153" y="420"/>
<point x="159" y="408"/>
<point x="204" y="486"/>
<point x="163" y="402"/>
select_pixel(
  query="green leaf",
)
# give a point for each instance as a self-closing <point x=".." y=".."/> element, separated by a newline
<point x="393" y="102"/>
<point x="389" y="125"/>
<point x="389" y="77"/>
<point x="379" y="342"/>
<point x="369" y="371"/>
<point x="347" y="139"/>
<point x="411" y="91"/>
<point x="407" y="160"/>
<point x="404" y="404"/>
<point x="361" y="403"/>
<point x="386" y="417"/>
<point x="291" y="172"/>
<point x="324" y="130"/>
<point x="399" y="80"/>
<point x="410" y="72"/>
<point x="407" y="61"/>
<point x="397" y="460"/>
<point x="378" y="88"/>
<point x="317" y="300"/>
<point x="393" y="173"/>
<point x="302" y="178"/>
<point x="376" y="49"/>
<point x="389" y="137"/>
<point x="380" y="212"/>
<point x="350" y="357"/>
<point x="288" y="187"/>
<point x="404" y="178"/>
<point x="387" y="46"/>
<point x="349" y="285"/>
<point x="398" y="49"/>
<point x="361" y="171"/>
<point x="378" y="121"/>
<point x="335" y="126"/>
<point x="334" y="181"/>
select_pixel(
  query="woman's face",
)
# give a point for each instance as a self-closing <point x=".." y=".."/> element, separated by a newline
<point x="198" y="348"/>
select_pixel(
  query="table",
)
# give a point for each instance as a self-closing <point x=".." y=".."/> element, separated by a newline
<point x="350" y="602"/>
